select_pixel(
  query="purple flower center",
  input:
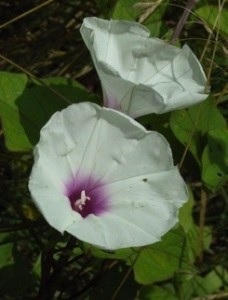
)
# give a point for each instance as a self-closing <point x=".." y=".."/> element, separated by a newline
<point x="87" y="195"/>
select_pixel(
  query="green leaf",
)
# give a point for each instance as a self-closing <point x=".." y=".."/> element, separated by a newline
<point x="185" y="213"/>
<point x="209" y="14"/>
<point x="124" y="10"/>
<point x="126" y="253"/>
<point x="37" y="267"/>
<point x="26" y="107"/>
<point x="157" y="293"/>
<point x="199" y="119"/>
<point x="12" y="87"/>
<point x="160" y="260"/>
<point x="212" y="282"/>
<point x="155" y="22"/>
<point x="186" y="290"/>
<point x="6" y="247"/>
<point x="202" y="286"/>
<point x="193" y="243"/>
<point x="215" y="159"/>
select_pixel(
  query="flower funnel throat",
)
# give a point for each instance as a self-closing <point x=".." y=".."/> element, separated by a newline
<point x="105" y="179"/>
<point x="87" y="196"/>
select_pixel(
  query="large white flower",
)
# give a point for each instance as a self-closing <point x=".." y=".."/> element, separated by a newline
<point x="102" y="177"/>
<point x="142" y="75"/>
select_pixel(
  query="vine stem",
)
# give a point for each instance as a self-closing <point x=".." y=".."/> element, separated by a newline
<point x="187" y="10"/>
<point x="203" y="207"/>
<point x="190" y="137"/>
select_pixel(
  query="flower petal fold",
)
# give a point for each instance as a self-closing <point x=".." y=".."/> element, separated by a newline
<point x="141" y="75"/>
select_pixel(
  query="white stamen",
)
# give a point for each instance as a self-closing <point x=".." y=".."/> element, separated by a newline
<point x="82" y="201"/>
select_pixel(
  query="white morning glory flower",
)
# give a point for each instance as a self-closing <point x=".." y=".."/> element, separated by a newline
<point x="102" y="177"/>
<point x="141" y="75"/>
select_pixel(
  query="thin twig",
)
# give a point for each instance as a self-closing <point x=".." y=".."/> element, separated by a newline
<point x="20" y="226"/>
<point x="32" y="76"/>
<point x="222" y="295"/>
<point x="211" y="31"/>
<point x="125" y="277"/>
<point x="25" y="13"/>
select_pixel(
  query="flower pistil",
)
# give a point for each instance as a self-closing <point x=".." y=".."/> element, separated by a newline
<point x="79" y="203"/>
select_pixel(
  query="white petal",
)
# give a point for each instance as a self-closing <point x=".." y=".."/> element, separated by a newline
<point x="142" y="75"/>
<point x="58" y="157"/>
<point x="112" y="36"/>
<point x="110" y="232"/>
<point x="137" y="218"/>
<point x="143" y="187"/>
<point x="117" y="147"/>
<point x="53" y="205"/>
